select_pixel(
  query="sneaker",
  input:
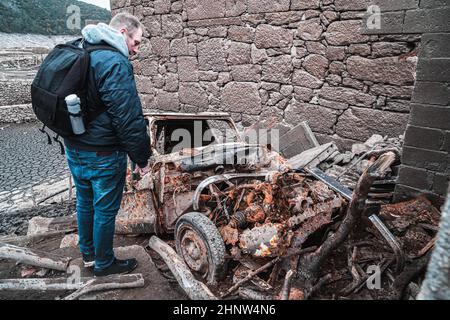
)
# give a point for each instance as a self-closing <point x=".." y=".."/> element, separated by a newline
<point x="118" y="267"/>
<point x="88" y="261"/>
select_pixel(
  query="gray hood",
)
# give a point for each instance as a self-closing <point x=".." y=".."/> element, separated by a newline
<point x="102" y="32"/>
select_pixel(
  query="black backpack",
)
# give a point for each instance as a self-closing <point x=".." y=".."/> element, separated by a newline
<point x="63" y="72"/>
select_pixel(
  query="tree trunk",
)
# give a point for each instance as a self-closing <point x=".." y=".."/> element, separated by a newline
<point x="33" y="257"/>
<point x="436" y="285"/>
<point x="195" y="289"/>
<point x="309" y="265"/>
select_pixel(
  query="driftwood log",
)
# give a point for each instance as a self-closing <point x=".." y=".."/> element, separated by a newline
<point x="195" y="289"/>
<point x="83" y="285"/>
<point x="35" y="258"/>
<point x="309" y="265"/>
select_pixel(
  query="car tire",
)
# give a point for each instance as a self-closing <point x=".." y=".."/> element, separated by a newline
<point x="201" y="246"/>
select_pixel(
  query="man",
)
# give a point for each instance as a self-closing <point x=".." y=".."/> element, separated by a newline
<point x="98" y="158"/>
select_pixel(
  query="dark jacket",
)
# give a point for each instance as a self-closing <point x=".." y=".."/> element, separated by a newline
<point x="122" y="126"/>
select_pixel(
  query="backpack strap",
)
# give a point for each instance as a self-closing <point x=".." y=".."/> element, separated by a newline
<point x="99" y="105"/>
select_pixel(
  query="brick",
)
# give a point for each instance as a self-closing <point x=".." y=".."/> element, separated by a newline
<point x="425" y="138"/>
<point x="440" y="183"/>
<point x="425" y="159"/>
<point x="385" y="5"/>
<point x="446" y="144"/>
<point x="427" y="20"/>
<point x="430" y="116"/>
<point x="433" y="3"/>
<point x="390" y="22"/>
<point x="433" y="70"/>
<point x="403" y="193"/>
<point x="432" y="93"/>
<point x="435" y="45"/>
<point x="415" y="177"/>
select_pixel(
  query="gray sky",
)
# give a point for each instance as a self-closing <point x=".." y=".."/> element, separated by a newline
<point x="100" y="3"/>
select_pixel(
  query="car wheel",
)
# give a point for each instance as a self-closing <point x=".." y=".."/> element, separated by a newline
<point x="200" y="245"/>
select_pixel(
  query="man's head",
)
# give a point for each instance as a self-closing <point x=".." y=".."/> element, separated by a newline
<point x="131" y="29"/>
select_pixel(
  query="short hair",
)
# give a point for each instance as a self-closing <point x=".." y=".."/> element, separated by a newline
<point x="126" y="20"/>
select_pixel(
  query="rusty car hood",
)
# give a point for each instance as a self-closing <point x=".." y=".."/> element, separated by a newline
<point x="234" y="153"/>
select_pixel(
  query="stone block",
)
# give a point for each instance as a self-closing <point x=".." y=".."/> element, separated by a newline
<point x="238" y="53"/>
<point x="193" y="94"/>
<point x="425" y="138"/>
<point x="384" y="70"/>
<point x="260" y="6"/>
<point x="204" y="9"/>
<point x="241" y="97"/>
<point x="188" y="69"/>
<point x="277" y="69"/>
<point x="212" y="55"/>
<point x="427" y="20"/>
<point x="431" y="116"/>
<point x="241" y="34"/>
<point x="304" y="79"/>
<point x="267" y="36"/>
<point x="362" y="123"/>
<point x="344" y="33"/>
<point x="434" y="70"/>
<point x="425" y="159"/>
<point x="320" y="119"/>
<point x="246" y="73"/>
<point x="432" y="93"/>
<point x="347" y="95"/>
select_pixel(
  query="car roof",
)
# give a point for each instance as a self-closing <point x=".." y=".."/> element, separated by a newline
<point x="200" y="115"/>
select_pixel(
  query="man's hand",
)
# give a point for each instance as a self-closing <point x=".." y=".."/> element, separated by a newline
<point x="142" y="171"/>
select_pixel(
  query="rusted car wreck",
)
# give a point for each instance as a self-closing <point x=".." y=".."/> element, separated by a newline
<point x="228" y="216"/>
<point x="228" y="203"/>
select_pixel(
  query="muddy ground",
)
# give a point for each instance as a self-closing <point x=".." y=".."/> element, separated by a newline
<point x="371" y="251"/>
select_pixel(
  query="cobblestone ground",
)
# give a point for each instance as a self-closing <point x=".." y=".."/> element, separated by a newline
<point x="30" y="172"/>
<point x="16" y="222"/>
<point x="26" y="158"/>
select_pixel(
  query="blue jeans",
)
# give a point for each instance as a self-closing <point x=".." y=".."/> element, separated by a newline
<point x="99" y="181"/>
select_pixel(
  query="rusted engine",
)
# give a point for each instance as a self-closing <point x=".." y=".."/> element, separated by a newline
<point x="264" y="218"/>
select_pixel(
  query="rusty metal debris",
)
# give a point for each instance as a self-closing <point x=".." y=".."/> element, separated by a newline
<point x="243" y="210"/>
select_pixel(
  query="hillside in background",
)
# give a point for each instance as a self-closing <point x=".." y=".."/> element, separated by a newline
<point x="47" y="17"/>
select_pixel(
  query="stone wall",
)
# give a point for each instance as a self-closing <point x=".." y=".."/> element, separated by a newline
<point x="293" y="60"/>
<point x="426" y="152"/>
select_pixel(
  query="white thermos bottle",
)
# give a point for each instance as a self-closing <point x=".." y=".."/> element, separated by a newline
<point x="76" y="119"/>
